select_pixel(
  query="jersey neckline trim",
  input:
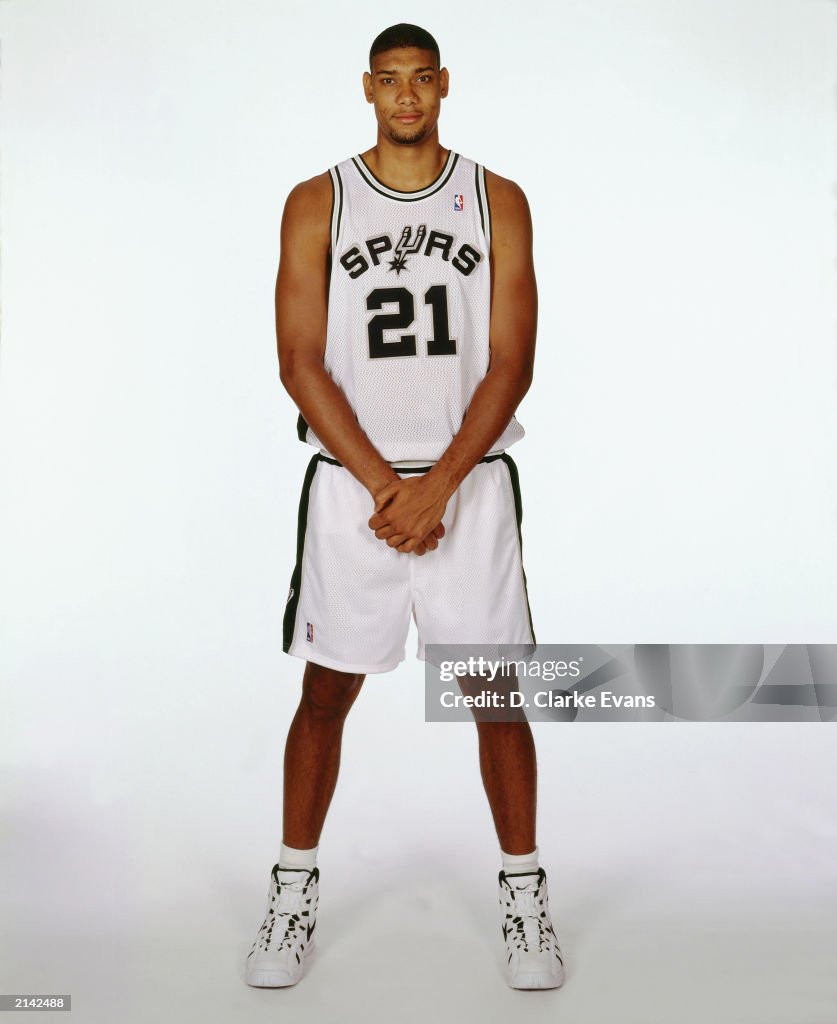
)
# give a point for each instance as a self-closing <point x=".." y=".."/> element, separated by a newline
<point x="407" y="197"/>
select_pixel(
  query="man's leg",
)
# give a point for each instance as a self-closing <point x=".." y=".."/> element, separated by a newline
<point x="509" y="773"/>
<point x="312" y="761"/>
<point x="312" y="752"/>
<point x="508" y="766"/>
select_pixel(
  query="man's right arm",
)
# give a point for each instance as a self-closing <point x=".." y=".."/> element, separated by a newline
<point x="301" y="319"/>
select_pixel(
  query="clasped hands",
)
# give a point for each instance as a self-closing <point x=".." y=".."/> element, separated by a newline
<point x="408" y="514"/>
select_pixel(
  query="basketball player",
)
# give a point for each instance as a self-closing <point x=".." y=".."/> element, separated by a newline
<point x="405" y="317"/>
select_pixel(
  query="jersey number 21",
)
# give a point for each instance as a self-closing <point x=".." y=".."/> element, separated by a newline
<point x="441" y="344"/>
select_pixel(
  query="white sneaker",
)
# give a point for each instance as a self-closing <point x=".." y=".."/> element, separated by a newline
<point x="277" y="958"/>
<point x="534" y="956"/>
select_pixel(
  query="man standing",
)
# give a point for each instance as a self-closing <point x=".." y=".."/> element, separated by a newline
<point x="406" y="311"/>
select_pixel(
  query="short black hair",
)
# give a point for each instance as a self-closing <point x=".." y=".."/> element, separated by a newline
<point x="397" y="37"/>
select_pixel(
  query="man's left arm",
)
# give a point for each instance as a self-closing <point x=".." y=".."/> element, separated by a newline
<point x="403" y="508"/>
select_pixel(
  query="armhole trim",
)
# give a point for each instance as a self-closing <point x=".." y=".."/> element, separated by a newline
<point x="336" y="207"/>
<point x="484" y="207"/>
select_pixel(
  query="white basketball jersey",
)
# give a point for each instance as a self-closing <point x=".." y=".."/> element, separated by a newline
<point x="409" y="306"/>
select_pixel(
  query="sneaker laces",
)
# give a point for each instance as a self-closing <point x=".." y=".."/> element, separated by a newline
<point x="289" y="897"/>
<point x="528" y="923"/>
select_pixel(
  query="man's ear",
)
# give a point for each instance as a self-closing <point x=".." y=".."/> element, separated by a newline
<point x="444" y="82"/>
<point x="367" y="86"/>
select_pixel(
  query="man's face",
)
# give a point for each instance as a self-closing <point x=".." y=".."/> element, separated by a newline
<point x="406" y="88"/>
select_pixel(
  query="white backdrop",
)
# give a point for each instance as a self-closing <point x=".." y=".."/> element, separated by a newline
<point x="678" y="475"/>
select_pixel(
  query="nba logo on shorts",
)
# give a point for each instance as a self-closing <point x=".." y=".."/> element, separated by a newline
<point x="458" y="202"/>
<point x="309" y="632"/>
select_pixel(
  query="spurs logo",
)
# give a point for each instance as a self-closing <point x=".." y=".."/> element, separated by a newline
<point x="419" y="241"/>
<point x="406" y="247"/>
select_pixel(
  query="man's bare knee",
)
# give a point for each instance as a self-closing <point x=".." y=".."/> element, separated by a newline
<point x="328" y="693"/>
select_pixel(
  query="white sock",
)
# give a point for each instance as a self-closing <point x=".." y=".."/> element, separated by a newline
<point x="297" y="860"/>
<point x="520" y="863"/>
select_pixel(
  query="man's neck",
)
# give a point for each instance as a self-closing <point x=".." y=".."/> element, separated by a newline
<point x="403" y="167"/>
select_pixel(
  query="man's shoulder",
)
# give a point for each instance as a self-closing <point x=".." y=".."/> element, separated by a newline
<point x="511" y="218"/>
<point x="311" y="195"/>
<point x="504" y="194"/>
<point x="307" y="214"/>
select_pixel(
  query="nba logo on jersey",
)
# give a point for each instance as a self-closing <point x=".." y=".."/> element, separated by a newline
<point x="309" y="632"/>
<point x="458" y="202"/>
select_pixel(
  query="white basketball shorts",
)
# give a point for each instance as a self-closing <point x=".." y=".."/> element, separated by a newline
<point x="351" y="595"/>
